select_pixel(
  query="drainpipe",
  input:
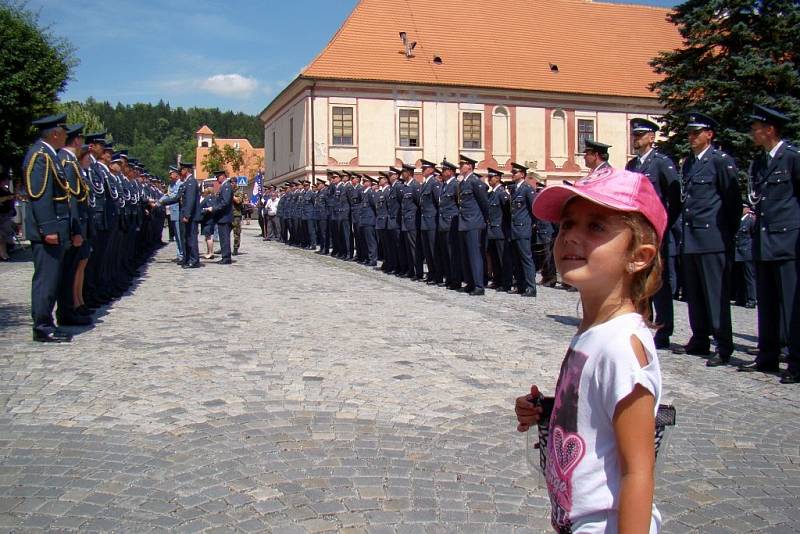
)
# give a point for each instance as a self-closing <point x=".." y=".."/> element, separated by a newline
<point x="313" y="140"/>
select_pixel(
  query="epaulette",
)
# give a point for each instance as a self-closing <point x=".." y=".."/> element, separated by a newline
<point x="792" y="148"/>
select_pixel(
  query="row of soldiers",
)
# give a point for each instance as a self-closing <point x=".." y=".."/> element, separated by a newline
<point x="92" y="221"/>
<point x="471" y="231"/>
<point x="463" y="226"/>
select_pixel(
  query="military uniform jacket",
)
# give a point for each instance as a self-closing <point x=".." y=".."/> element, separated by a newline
<point x="223" y="207"/>
<point x="661" y="172"/>
<point x="354" y="196"/>
<point x="112" y="199"/>
<point x="448" y="204"/>
<point x="393" y="199"/>
<point x="368" y="214"/>
<point x="381" y="211"/>
<point x="410" y="206"/>
<point x="281" y="207"/>
<point x="48" y="190"/>
<point x="744" y="238"/>
<point x="308" y="199"/>
<point x="77" y="192"/>
<point x="344" y="201"/>
<point x="542" y="232"/>
<point x="499" y="220"/>
<point x="97" y="197"/>
<point x="240" y="195"/>
<point x="711" y="203"/>
<point x="776" y="195"/>
<point x="321" y="205"/>
<point x="428" y="203"/>
<point x="522" y="220"/>
<point x="190" y="199"/>
<point x="473" y="204"/>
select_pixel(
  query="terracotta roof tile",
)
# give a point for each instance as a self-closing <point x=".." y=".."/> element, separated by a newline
<point x="205" y="130"/>
<point x="599" y="48"/>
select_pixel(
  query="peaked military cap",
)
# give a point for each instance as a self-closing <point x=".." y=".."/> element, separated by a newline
<point x="219" y="172"/>
<point x="394" y="170"/>
<point x="51" y="121"/>
<point x="700" y="121"/>
<point x="447" y="165"/>
<point x="427" y="164"/>
<point x="384" y="174"/>
<point x="124" y="154"/>
<point x="74" y="130"/>
<point x="97" y="138"/>
<point x="187" y="165"/>
<point x="464" y="159"/>
<point x="346" y="173"/>
<point x="116" y="157"/>
<point x="494" y="172"/>
<point x="600" y="148"/>
<point x="173" y="168"/>
<point x="643" y="126"/>
<point x="516" y="167"/>
<point x="409" y="167"/>
<point x="109" y="147"/>
<point x="437" y="170"/>
<point x="768" y="116"/>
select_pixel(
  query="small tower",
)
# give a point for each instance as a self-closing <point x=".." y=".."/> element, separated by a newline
<point x="205" y="137"/>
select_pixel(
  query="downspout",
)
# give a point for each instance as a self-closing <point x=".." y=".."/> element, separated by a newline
<point x="313" y="139"/>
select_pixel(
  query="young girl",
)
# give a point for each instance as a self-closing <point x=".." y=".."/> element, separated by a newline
<point x="600" y="452"/>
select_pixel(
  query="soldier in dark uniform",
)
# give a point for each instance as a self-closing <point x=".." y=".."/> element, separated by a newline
<point x="409" y="223"/>
<point x="543" y="233"/>
<point x="321" y="216"/>
<point x="345" y="226"/>
<point x="744" y="269"/>
<point x="448" y="235"/>
<point x="308" y="197"/>
<point x="395" y="249"/>
<point x="368" y="215"/>
<point x="97" y="197"/>
<point x="498" y="232"/>
<point x="49" y="225"/>
<point x="473" y="212"/>
<point x="190" y="215"/>
<point x="775" y="194"/>
<point x="595" y="156"/>
<point x="381" y="220"/>
<point x="522" y="231"/>
<point x="660" y="170"/>
<point x="711" y="209"/>
<point x="222" y="209"/>
<point x="428" y="201"/>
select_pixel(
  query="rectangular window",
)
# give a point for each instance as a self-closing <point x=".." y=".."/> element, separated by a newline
<point x="585" y="132"/>
<point x="342" y="126"/>
<point x="291" y="135"/>
<point x="409" y="127"/>
<point x="472" y="130"/>
<point x="273" y="145"/>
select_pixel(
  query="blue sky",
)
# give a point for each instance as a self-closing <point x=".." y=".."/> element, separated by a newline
<point x="235" y="54"/>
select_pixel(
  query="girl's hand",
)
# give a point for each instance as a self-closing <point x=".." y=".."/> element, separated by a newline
<point x="528" y="414"/>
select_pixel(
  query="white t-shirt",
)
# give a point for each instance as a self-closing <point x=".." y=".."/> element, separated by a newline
<point x="583" y="470"/>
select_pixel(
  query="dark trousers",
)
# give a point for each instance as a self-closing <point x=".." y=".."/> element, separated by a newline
<point x="358" y="238"/>
<point x="47" y="264"/>
<point x="778" y="311"/>
<point x="69" y="265"/>
<point x="191" y="248"/>
<point x="523" y="262"/>
<point x="224" y="231"/>
<point x="414" y="258"/>
<point x="472" y="257"/>
<point x="171" y="230"/>
<point x="271" y="230"/>
<point x="428" y="242"/>
<point x="370" y="244"/>
<point x="500" y="253"/>
<point x="284" y="229"/>
<point x="347" y="238"/>
<point x="392" y="263"/>
<point x="705" y="278"/>
<point x="400" y="246"/>
<point x="92" y="286"/>
<point x="662" y="304"/>
<point x="311" y="231"/>
<point x="543" y="261"/>
<point x="744" y="280"/>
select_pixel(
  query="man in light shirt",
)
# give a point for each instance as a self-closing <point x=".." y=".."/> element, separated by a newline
<point x="273" y="231"/>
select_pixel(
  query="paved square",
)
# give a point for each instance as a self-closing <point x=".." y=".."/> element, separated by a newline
<point x="292" y="392"/>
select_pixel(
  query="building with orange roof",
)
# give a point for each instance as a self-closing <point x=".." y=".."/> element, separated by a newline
<point x="525" y="81"/>
<point x="253" y="157"/>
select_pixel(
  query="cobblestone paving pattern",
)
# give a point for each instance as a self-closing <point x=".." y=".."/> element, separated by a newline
<point x="293" y="392"/>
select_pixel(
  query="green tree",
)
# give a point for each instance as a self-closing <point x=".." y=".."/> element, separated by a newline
<point x="77" y="113"/>
<point x="214" y="160"/>
<point x="735" y="53"/>
<point x="233" y="157"/>
<point x="34" y="68"/>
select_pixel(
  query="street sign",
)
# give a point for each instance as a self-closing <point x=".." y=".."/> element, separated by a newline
<point x="241" y="181"/>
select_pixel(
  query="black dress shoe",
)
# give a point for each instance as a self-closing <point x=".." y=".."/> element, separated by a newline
<point x="373" y="265"/>
<point x="750" y="304"/>
<point x="454" y="287"/>
<point x="477" y="292"/>
<point x="51" y="337"/>
<point x="74" y="320"/>
<point x="550" y="282"/>
<point x="491" y="285"/>
<point x="692" y="350"/>
<point x="661" y="342"/>
<point x="224" y="262"/>
<point x="441" y="284"/>
<point x="83" y="310"/>
<point x="192" y="266"/>
<point x="756" y="367"/>
<point x="432" y="282"/>
<point x="529" y="292"/>
<point x="790" y="378"/>
<point x="511" y="290"/>
<point x="466" y="289"/>
<point x="717" y="360"/>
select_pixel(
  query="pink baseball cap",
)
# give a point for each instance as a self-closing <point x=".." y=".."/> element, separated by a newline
<point x="616" y="189"/>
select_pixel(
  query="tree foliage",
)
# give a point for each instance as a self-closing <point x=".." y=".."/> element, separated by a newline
<point x="214" y="160"/>
<point x="735" y="53"/>
<point x="233" y="157"/>
<point x="34" y="68"/>
<point x="78" y="114"/>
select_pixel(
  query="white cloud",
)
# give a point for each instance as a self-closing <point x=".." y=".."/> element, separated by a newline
<point x="230" y="85"/>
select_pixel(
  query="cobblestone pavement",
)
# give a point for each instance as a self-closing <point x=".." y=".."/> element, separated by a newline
<point x="296" y="393"/>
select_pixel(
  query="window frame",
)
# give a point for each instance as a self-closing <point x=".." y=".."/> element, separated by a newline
<point x="418" y="137"/>
<point x="464" y="139"/>
<point x="578" y="132"/>
<point x="342" y="137"/>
